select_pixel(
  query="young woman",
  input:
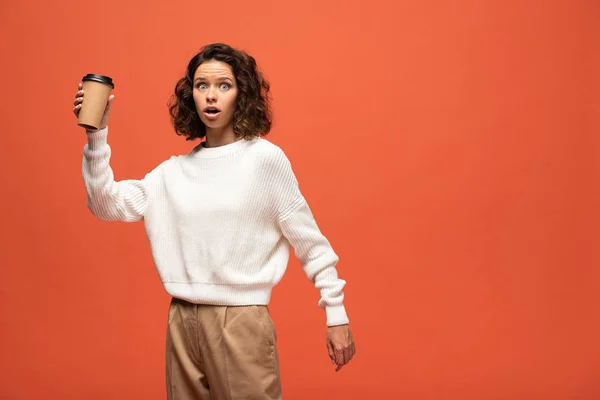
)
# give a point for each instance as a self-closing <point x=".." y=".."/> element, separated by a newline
<point x="220" y="221"/>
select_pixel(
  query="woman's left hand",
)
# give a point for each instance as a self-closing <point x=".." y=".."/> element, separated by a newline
<point x="340" y="345"/>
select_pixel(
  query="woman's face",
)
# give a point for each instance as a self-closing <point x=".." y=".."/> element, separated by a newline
<point x="215" y="92"/>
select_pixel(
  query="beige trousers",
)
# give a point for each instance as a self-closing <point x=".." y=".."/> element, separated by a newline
<point x="221" y="353"/>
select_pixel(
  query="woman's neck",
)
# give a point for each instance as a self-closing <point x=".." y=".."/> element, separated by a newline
<point x="220" y="137"/>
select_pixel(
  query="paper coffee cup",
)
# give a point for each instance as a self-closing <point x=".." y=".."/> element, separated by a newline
<point x="96" y="91"/>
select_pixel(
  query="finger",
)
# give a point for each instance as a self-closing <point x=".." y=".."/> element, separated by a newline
<point x="79" y="93"/>
<point x="109" y="104"/>
<point x="331" y="352"/>
<point x="340" y="361"/>
<point x="347" y="355"/>
<point x="78" y="100"/>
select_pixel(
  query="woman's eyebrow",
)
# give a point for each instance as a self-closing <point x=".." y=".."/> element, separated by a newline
<point x="221" y="77"/>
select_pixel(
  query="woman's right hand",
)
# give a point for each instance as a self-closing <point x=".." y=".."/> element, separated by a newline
<point x="79" y="100"/>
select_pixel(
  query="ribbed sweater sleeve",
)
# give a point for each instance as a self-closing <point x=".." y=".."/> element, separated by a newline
<point x="311" y="247"/>
<point x="107" y="199"/>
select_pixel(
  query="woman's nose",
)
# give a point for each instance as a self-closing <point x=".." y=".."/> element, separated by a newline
<point x="211" y="94"/>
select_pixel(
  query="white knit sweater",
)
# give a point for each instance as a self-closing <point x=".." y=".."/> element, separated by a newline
<point x="220" y="222"/>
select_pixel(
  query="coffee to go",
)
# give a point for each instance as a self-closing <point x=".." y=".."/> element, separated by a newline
<point x="96" y="91"/>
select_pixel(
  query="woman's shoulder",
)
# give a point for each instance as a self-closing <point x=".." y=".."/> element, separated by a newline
<point x="268" y="152"/>
<point x="271" y="159"/>
<point x="266" y="148"/>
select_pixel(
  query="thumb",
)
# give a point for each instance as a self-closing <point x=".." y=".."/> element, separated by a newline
<point x="109" y="104"/>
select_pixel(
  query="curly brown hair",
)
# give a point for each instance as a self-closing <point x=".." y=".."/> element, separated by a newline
<point x="252" y="115"/>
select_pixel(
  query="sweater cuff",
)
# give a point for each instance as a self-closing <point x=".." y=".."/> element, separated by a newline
<point x="336" y="315"/>
<point x="97" y="139"/>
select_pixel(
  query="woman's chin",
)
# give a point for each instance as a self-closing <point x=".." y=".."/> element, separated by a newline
<point x="214" y="124"/>
<point x="211" y="124"/>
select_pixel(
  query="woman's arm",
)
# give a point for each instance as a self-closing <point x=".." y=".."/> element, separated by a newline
<point x="109" y="200"/>
<point x="317" y="258"/>
<point x="312" y="248"/>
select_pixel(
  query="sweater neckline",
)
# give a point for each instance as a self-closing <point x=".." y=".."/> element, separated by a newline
<point x="201" y="151"/>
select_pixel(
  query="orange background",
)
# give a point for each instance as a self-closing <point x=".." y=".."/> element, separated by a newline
<point x="447" y="149"/>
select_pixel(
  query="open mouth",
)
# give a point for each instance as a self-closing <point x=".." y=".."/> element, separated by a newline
<point x="211" y="110"/>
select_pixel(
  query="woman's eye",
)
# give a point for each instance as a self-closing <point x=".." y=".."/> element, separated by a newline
<point x="225" y="86"/>
<point x="202" y="86"/>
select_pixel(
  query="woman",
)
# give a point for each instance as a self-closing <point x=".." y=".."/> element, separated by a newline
<point x="220" y="221"/>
